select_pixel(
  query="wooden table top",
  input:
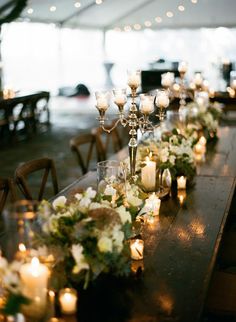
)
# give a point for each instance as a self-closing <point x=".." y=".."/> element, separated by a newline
<point x="180" y="248"/>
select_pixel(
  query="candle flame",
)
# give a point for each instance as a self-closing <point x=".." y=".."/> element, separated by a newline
<point x="22" y="248"/>
<point x="51" y="294"/>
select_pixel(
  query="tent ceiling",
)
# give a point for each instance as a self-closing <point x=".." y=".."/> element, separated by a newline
<point x="120" y="13"/>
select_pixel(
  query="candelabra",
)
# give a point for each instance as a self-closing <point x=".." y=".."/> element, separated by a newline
<point x="133" y="119"/>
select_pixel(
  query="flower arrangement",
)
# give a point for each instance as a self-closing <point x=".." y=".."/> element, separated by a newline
<point x="11" y="287"/>
<point x="88" y="236"/>
<point x="174" y="152"/>
<point x="204" y="118"/>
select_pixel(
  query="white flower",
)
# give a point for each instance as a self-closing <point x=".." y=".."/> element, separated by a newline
<point x="90" y="193"/>
<point x="124" y="214"/>
<point x="51" y="225"/>
<point x="118" y="238"/>
<point x="59" y="202"/>
<point x="95" y="205"/>
<point x="164" y="155"/>
<point x="85" y="202"/>
<point x="11" y="281"/>
<point x="79" y="196"/>
<point x="110" y="191"/>
<point x="172" y="159"/>
<point x="77" y="252"/>
<point x="104" y="244"/>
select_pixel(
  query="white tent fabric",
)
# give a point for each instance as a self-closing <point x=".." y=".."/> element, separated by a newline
<point x="111" y="14"/>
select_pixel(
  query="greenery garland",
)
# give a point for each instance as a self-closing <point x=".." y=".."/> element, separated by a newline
<point x="16" y="9"/>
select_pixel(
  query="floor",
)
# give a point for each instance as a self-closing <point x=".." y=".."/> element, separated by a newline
<point x="69" y="117"/>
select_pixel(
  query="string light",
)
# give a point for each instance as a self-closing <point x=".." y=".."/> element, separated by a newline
<point x="181" y="7"/>
<point x="77" y="5"/>
<point x="147" y="23"/>
<point x="30" y="11"/>
<point x="127" y="28"/>
<point x="53" y="8"/>
<point x="169" y="14"/>
<point x="158" y="19"/>
<point x="98" y="1"/>
<point x="194" y="1"/>
<point x="137" y="26"/>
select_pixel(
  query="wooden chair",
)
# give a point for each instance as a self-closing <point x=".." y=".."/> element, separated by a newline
<point x="84" y="159"/>
<point x="6" y="188"/>
<point x="24" y="170"/>
<point x="104" y="139"/>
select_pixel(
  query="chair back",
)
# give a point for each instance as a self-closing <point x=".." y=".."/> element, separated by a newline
<point x="83" y="158"/>
<point x="23" y="171"/>
<point x="6" y="187"/>
<point x="106" y="140"/>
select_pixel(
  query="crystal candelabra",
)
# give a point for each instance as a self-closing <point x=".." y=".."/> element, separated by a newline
<point x="134" y="119"/>
<point x="183" y="67"/>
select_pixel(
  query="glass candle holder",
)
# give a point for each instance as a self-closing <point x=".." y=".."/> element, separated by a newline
<point x="167" y="79"/>
<point x="68" y="300"/>
<point x="134" y="79"/>
<point x="137" y="248"/>
<point x="120" y="98"/>
<point x="181" y="182"/>
<point x="146" y="104"/>
<point x="110" y="172"/>
<point x="162" y="99"/>
<point x="183" y="68"/>
<point x="102" y="103"/>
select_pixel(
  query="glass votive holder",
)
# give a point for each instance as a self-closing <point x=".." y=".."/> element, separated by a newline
<point x="181" y="182"/>
<point x="68" y="300"/>
<point x="136" y="248"/>
<point x="109" y="172"/>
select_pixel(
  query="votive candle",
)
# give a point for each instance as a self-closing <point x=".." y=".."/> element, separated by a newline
<point x="68" y="300"/>
<point x="181" y="182"/>
<point x="136" y="248"/>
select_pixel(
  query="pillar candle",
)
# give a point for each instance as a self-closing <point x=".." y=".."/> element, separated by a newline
<point x="148" y="175"/>
<point x="34" y="278"/>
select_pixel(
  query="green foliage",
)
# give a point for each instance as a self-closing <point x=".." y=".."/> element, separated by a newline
<point x="14" y="303"/>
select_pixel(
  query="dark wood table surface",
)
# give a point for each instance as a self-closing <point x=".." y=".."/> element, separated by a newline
<point x="180" y="248"/>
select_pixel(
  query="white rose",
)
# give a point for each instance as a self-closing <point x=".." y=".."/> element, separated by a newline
<point x="133" y="200"/>
<point x="79" y="196"/>
<point x="105" y="244"/>
<point x="124" y="214"/>
<point x="85" y="202"/>
<point x="59" y="202"/>
<point x="118" y="238"/>
<point x="77" y="253"/>
<point x="95" y="205"/>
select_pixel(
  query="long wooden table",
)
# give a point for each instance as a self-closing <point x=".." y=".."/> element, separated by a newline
<point x="180" y="248"/>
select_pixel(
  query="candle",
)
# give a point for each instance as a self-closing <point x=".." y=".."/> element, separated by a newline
<point x="136" y="248"/>
<point x="183" y="67"/>
<point x="102" y="103"/>
<point x="233" y="84"/>
<point x="167" y="79"/>
<point x="176" y="87"/>
<point x="68" y="300"/>
<point x="162" y="99"/>
<point x="34" y="277"/>
<point x="22" y="252"/>
<point x="152" y="205"/>
<point x="120" y="97"/>
<point x="199" y="148"/>
<point x="134" y="79"/>
<point x="148" y="175"/>
<point x="202" y="141"/>
<point x="146" y="104"/>
<point x="181" y="182"/>
<point x="198" y="79"/>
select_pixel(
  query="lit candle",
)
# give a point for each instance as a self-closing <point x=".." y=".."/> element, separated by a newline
<point x="198" y="79"/>
<point x="146" y="104"/>
<point x="22" y="252"/>
<point x="181" y="182"/>
<point x="120" y="98"/>
<point x="167" y="79"/>
<point x="102" y="100"/>
<point x="148" y="175"/>
<point x="134" y="79"/>
<point x="202" y="141"/>
<point x="136" y="248"/>
<point x="68" y="300"/>
<point x="34" y="277"/>
<point x="183" y="67"/>
<point x="199" y="148"/>
<point x="152" y="205"/>
<point x="162" y="99"/>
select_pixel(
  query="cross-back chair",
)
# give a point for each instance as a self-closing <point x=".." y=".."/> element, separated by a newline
<point x="25" y="170"/>
<point x="84" y="159"/>
<point x="6" y="188"/>
<point x="104" y="139"/>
